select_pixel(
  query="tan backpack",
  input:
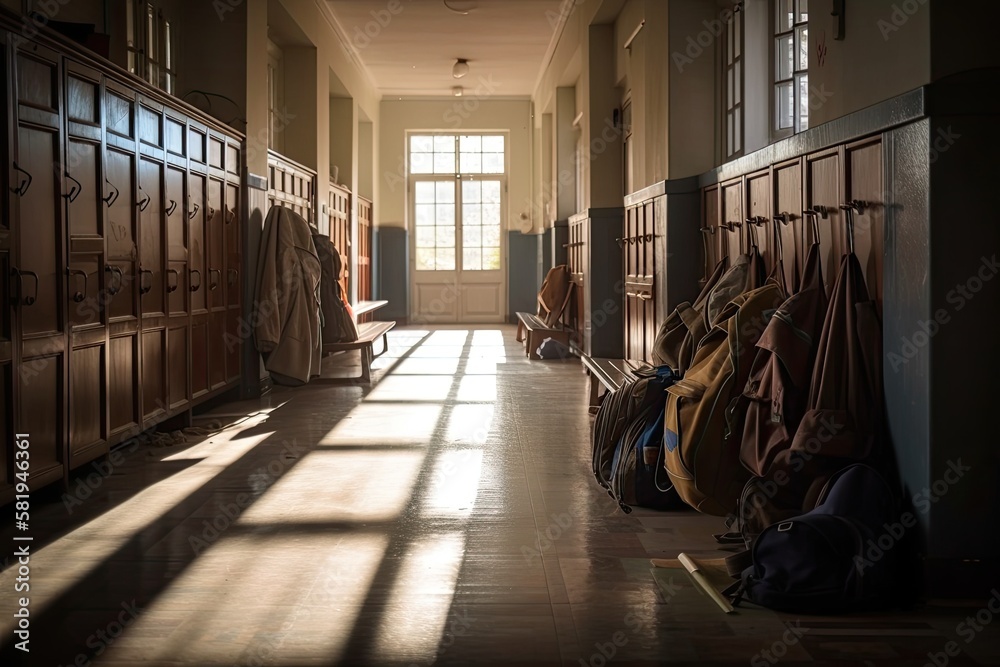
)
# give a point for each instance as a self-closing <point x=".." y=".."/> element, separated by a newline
<point x="554" y="295"/>
<point x="701" y="433"/>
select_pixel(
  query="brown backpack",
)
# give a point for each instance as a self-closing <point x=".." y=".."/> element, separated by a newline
<point x="679" y="334"/>
<point x="554" y="295"/>
<point x="778" y="389"/>
<point x="702" y="462"/>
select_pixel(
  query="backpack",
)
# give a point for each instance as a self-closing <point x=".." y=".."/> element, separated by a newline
<point x="701" y="457"/>
<point x="831" y="559"/>
<point x="620" y="409"/>
<point x="638" y="459"/>
<point x="554" y="295"/>
<point x="678" y="336"/>
<point x="777" y="391"/>
<point x="335" y="318"/>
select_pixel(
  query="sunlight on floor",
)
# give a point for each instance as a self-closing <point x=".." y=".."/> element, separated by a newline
<point x="388" y="423"/>
<point x="453" y="485"/>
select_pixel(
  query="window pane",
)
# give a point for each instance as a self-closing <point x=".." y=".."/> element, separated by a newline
<point x="168" y="60"/>
<point x="784" y="105"/>
<point x="445" y="193"/>
<point x="491" y="236"/>
<point x="803" y="13"/>
<point x="445" y="237"/>
<point x="425" y="237"/>
<point x="737" y="82"/>
<point x="473" y="144"/>
<point x="472" y="214"/>
<point x="444" y="163"/>
<point x="491" y="259"/>
<point x="783" y="15"/>
<point x="445" y="259"/>
<point x="730" y="29"/>
<point x="493" y="163"/>
<point x="425" y="259"/>
<point x="784" y="56"/>
<point x="444" y="144"/>
<point x="491" y="192"/>
<point x="737" y="33"/>
<point x="472" y="259"/>
<point x="491" y="214"/>
<point x="737" y="130"/>
<point x="802" y="37"/>
<point x="425" y="214"/>
<point x="803" y="85"/>
<point x="493" y="144"/>
<point x="424" y="192"/>
<point x="445" y="214"/>
<point x="471" y="163"/>
<point x="472" y="192"/>
<point x="472" y="236"/>
<point x="729" y="133"/>
<point x="729" y="88"/>
<point x="420" y="163"/>
<point x="422" y="144"/>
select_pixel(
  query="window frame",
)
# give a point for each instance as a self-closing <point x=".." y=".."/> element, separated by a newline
<point x="150" y="31"/>
<point x="729" y="107"/>
<point x="776" y="34"/>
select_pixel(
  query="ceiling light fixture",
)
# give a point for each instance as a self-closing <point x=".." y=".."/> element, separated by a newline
<point x="457" y="91"/>
<point x="460" y="69"/>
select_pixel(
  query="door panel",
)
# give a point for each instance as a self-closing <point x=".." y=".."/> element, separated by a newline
<point x="87" y="405"/>
<point x="216" y="282"/>
<point x="122" y="384"/>
<point x="234" y="283"/>
<point x="177" y="365"/>
<point x="758" y="214"/>
<point x="732" y="218"/>
<point x="152" y="286"/>
<point x="865" y="183"/>
<point x="199" y="356"/>
<point x="177" y="212"/>
<point x="824" y="189"/>
<point x="154" y="387"/>
<point x="788" y="202"/>
<point x="197" y="254"/>
<point x="121" y="270"/>
<point x="217" y="348"/>
<point x="712" y="235"/>
<point x="40" y="385"/>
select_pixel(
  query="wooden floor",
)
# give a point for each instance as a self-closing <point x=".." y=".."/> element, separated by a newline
<point x="446" y="515"/>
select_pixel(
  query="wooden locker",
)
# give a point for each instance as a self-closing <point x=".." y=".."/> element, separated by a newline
<point x="787" y="181"/>
<point x="197" y="272"/>
<point x="39" y="267"/>
<point x="234" y="283"/>
<point x="121" y="298"/>
<point x="179" y="211"/>
<point x="864" y="182"/>
<point x="732" y="219"/>
<point x="216" y="282"/>
<point x="758" y="224"/>
<point x="712" y="235"/>
<point x="85" y="220"/>
<point x="823" y="196"/>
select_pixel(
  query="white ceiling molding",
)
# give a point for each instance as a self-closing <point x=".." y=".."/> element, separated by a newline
<point x="349" y="48"/>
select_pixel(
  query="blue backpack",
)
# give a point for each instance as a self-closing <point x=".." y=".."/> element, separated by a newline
<point x="838" y="557"/>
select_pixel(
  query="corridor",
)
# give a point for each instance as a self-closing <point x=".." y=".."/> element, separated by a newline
<point x="447" y="515"/>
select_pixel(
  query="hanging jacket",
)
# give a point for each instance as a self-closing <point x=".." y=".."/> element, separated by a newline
<point x="286" y="303"/>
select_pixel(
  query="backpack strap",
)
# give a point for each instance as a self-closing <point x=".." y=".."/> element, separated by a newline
<point x="738" y="562"/>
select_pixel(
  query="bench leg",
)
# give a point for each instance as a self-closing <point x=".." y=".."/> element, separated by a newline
<point x="519" y="335"/>
<point x="595" y="389"/>
<point x="385" y="345"/>
<point x="366" y="365"/>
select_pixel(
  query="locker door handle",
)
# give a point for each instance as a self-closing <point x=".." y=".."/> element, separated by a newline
<point x="27" y="300"/>
<point x="193" y="212"/>
<point x="79" y="296"/>
<point x="115" y="286"/>
<point x="143" y="288"/>
<point x="171" y="208"/>
<point x="74" y="189"/>
<point x="213" y="285"/>
<point x="649" y="238"/>
<point x="113" y="197"/>
<point x="24" y="184"/>
<point x="177" y="279"/>
<point x="620" y="241"/>
<point x="230" y="215"/>
<point x="234" y="276"/>
<point x="194" y="287"/>
<point x="144" y="203"/>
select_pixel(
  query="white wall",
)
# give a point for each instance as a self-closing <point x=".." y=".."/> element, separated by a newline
<point x="452" y="115"/>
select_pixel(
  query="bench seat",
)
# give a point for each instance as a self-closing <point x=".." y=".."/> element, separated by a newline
<point x="365" y="307"/>
<point x="531" y="330"/>
<point x="609" y="373"/>
<point x="368" y="333"/>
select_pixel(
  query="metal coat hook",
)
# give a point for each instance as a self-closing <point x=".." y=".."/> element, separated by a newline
<point x="814" y="214"/>
<point x="850" y="208"/>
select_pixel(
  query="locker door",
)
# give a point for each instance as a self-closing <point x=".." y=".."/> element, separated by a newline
<point x="6" y="305"/>
<point x="39" y="268"/>
<point x="758" y="216"/>
<point x="121" y="299"/>
<point x="152" y="288"/>
<point x="179" y="210"/>
<point x="732" y="219"/>
<point x="198" y="270"/>
<point x="84" y="172"/>
<point x="712" y="235"/>
<point x="234" y="283"/>
<point x="215" y="278"/>
<point x="824" y="193"/>
<point x="787" y="182"/>
<point x="864" y="180"/>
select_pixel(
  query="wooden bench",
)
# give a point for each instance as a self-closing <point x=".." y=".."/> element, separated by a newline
<point x="368" y="333"/>
<point x="610" y="373"/>
<point x="365" y="307"/>
<point x="531" y="330"/>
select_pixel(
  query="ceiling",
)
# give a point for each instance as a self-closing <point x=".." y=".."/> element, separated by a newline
<point x="411" y="52"/>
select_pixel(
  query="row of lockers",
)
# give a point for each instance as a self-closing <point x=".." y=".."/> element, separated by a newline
<point x="120" y="256"/>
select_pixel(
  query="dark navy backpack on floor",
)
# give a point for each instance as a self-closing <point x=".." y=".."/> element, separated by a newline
<point x="838" y="557"/>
